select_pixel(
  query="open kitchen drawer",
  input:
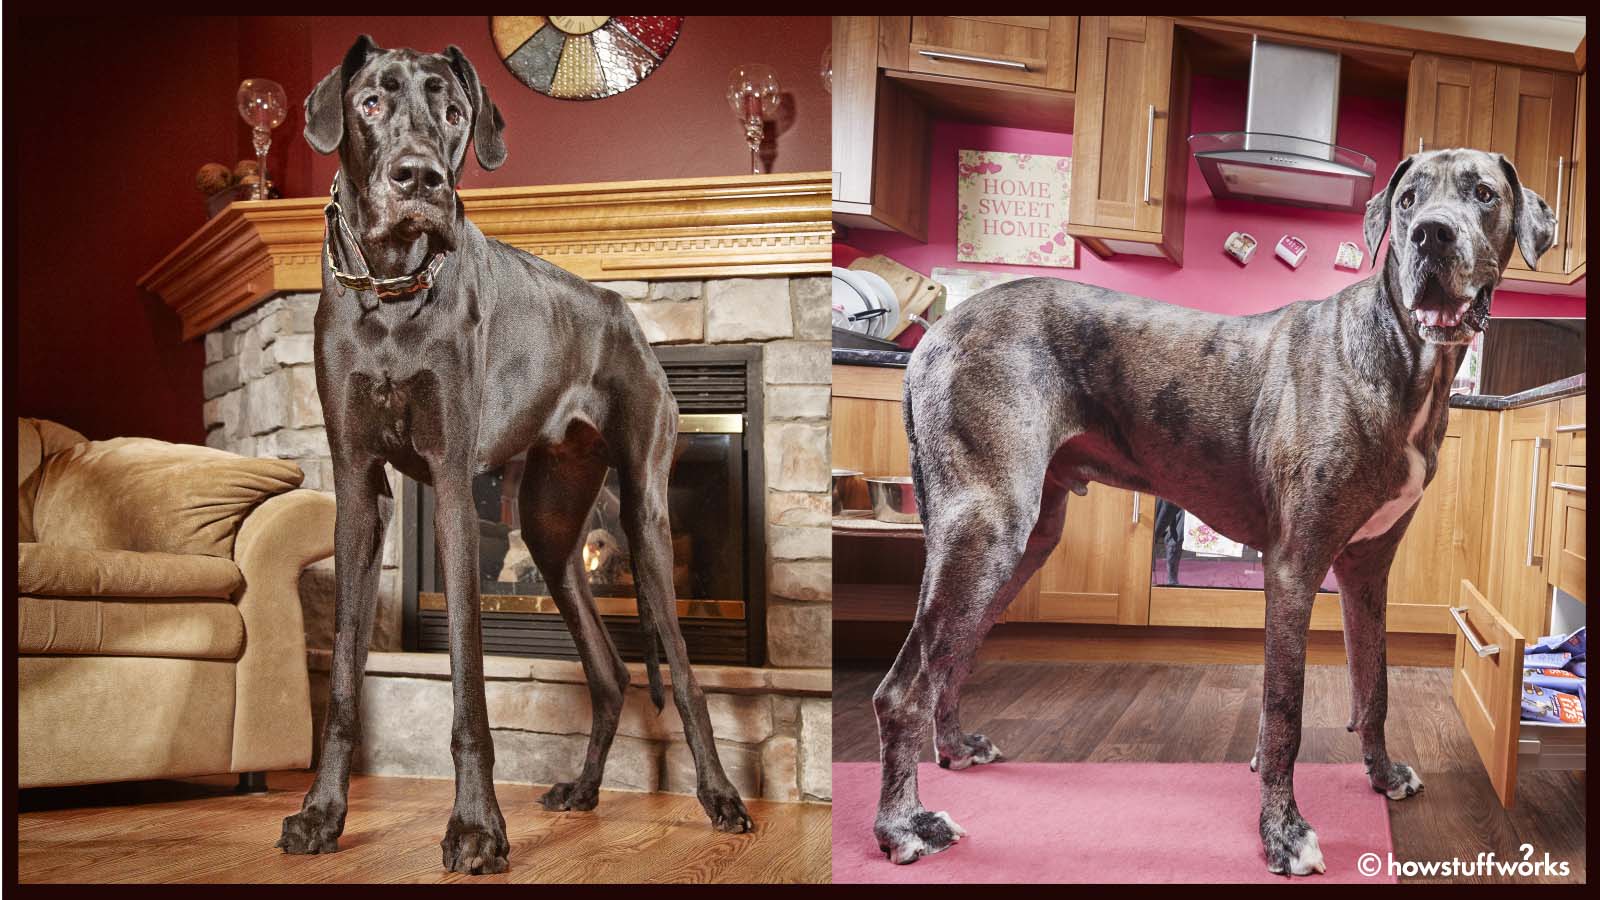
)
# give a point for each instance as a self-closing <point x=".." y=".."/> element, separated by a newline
<point x="1487" y="687"/>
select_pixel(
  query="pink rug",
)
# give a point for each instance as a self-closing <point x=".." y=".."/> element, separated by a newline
<point x="1043" y="823"/>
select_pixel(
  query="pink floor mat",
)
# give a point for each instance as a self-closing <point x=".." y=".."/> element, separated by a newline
<point x="1110" y="822"/>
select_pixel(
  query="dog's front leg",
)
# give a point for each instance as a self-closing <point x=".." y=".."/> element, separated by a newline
<point x="1363" y="572"/>
<point x="475" y="840"/>
<point x="364" y="505"/>
<point x="1291" y="582"/>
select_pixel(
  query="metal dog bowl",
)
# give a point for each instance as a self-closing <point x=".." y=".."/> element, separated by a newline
<point x="841" y="477"/>
<point x="893" y="499"/>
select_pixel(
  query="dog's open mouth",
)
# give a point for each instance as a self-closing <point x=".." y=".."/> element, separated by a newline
<point x="1436" y="307"/>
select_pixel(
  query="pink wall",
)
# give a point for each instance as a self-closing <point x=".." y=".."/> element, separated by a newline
<point x="1209" y="278"/>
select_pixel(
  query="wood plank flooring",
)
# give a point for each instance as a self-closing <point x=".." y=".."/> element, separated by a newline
<point x="198" y="830"/>
<point x="1144" y="712"/>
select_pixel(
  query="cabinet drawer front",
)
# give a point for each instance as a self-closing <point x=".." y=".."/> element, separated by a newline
<point x="1487" y="688"/>
<point x="1038" y="51"/>
<point x="1569" y="516"/>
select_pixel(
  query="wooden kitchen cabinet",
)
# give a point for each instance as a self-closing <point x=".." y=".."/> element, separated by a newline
<point x="1517" y="583"/>
<point x="1100" y="572"/>
<point x="881" y="143"/>
<point x="1032" y="51"/>
<point x="1566" y="564"/>
<point x="1527" y="114"/>
<point x="1533" y="126"/>
<point x="1130" y="138"/>
<point x="1449" y="533"/>
<point x="1577" y="221"/>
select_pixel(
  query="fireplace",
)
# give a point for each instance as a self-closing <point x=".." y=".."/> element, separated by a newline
<point x="715" y="493"/>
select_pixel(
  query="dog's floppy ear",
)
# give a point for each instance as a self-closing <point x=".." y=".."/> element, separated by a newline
<point x="1377" y="216"/>
<point x="1532" y="220"/>
<point x="487" y="125"/>
<point x="325" y="104"/>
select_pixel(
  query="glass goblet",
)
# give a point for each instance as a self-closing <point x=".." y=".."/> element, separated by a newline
<point x="754" y="98"/>
<point x="263" y="106"/>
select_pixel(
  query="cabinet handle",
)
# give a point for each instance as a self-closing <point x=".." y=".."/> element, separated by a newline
<point x="1419" y="145"/>
<point x="1561" y="169"/>
<point x="1135" y="507"/>
<point x="980" y="60"/>
<point x="1568" y="429"/>
<point x="1149" y="151"/>
<point x="1563" y="486"/>
<point x="1478" y="647"/>
<point x="1533" y="502"/>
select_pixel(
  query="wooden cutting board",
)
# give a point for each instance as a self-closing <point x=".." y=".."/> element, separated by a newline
<point x="915" y="291"/>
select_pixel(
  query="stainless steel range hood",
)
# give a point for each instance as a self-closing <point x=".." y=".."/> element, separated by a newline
<point x="1287" y="152"/>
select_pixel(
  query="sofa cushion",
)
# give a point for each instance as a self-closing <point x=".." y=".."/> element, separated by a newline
<point x="185" y="629"/>
<point x="36" y="439"/>
<point x="49" y="570"/>
<point x="152" y="496"/>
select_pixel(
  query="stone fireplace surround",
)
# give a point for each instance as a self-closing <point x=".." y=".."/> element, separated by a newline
<point x="709" y="261"/>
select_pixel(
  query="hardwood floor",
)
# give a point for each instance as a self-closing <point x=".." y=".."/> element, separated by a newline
<point x="198" y="830"/>
<point x="1144" y="712"/>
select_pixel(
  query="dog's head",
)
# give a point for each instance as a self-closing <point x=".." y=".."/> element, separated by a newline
<point x="401" y="121"/>
<point x="1456" y="216"/>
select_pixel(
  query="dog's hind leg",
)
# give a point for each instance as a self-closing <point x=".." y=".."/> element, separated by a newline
<point x="645" y="464"/>
<point x="1363" y="572"/>
<point x="978" y="525"/>
<point x="955" y="749"/>
<point x="363" y="517"/>
<point x="558" y="490"/>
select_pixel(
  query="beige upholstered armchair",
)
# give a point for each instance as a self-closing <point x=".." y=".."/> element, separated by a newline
<point x="158" y="609"/>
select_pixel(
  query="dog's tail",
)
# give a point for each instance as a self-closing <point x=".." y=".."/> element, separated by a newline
<point x="652" y="653"/>
<point x="916" y="469"/>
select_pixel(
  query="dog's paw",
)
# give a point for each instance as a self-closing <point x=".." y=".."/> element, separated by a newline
<point x="727" y="811"/>
<point x="311" y="830"/>
<point x="474" y="850"/>
<point x="1397" y="783"/>
<point x="925" y="834"/>
<point x="1291" y="847"/>
<point x="570" y="795"/>
<point x="975" y="750"/>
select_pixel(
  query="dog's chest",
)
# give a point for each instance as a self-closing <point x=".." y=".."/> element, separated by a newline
<point x="1410" y="490"/>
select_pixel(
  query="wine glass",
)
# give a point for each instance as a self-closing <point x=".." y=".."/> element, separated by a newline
<point x="826" y="68"/>
<point x="263" y="106"/>
<point x="753" y="96"/>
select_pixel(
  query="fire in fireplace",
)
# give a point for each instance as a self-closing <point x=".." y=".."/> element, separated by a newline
<point x="715" y="494"/>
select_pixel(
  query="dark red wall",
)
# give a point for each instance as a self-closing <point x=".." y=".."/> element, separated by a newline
<point x="104" y="182"/>
<point x="106" y="168"/>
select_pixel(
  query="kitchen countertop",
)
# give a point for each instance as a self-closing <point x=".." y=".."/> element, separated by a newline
<point x="1555" y="390"/>
<point x="1566" y="387"/>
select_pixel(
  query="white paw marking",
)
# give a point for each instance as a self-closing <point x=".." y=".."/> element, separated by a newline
<point x="1412" y="785"/>
<point x="1309" y="859"/>
<point x="908" y="852"/>
<point x="988" y="756"/>
<point x="961" y="762"/>
<point x="957" y="830"/>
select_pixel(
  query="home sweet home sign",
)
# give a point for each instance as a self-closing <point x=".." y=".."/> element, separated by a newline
<point x="1011" y="208"/>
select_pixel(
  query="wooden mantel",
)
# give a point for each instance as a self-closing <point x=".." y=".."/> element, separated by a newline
<point x="716" y="227"/>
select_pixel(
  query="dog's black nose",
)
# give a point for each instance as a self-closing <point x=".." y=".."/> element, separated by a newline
<point x="1433" y="236"/>
<point x="416" y="176"/>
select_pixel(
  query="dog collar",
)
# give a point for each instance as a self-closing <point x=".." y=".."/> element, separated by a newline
<point x="398" y="286"/>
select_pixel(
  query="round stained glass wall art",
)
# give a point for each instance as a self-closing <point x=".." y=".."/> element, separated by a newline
<point x="583" y="57"/>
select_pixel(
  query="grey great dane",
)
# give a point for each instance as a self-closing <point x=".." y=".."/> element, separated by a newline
<point x="1308" y="432"/>
<point x="445" y="353"/>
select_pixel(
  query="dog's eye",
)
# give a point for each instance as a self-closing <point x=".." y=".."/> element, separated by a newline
<point x="1408" y="198"/>
<point x="1484" y="193"/>
<point x="453" y="115"/>
<point x="370" y="105"/>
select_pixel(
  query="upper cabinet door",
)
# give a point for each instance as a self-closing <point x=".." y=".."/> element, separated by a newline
<point x="1576" y="225"/>
<point x="1533" y="118"/>
<point x="1123" y="112"/>
<point x="1037" y="51"/>
<point x="1450" y="104"/>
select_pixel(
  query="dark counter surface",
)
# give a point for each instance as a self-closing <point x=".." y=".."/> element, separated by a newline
<point x="1555" y="390"/>
<point x="883" y="359"/>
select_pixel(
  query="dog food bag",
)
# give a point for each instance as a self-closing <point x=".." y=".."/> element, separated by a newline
<point x="1579" y="668"/>
<point x="1559" y="679"/>
<point x="1546" y="660"/>
<point x="1575" y="643"/>
<point x="1544" y="705"/>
